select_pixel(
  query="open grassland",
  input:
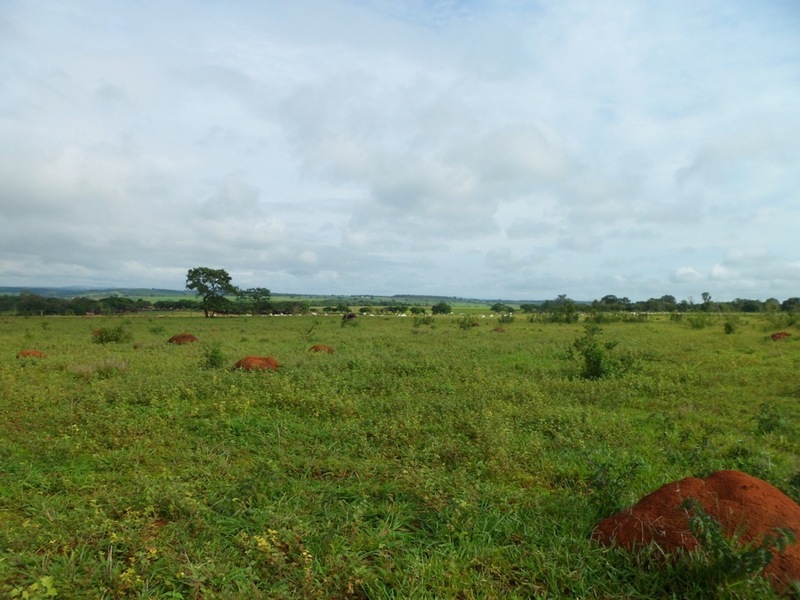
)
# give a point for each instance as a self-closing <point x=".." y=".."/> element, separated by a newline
<point x="427" y="461"/>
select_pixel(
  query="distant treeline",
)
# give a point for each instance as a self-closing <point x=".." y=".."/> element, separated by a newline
<point x="669" y="304"/>
<point x="34" y="305"/>
<point x="29" y="304"/>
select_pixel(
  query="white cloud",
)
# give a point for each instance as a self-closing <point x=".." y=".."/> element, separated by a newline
<point x="686" y="274"/>
<point x="465" y="148"/>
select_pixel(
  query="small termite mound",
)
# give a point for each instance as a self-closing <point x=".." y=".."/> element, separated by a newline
<point x="321" y="348"/>
<point x="256" y="363"/>
<point x="182" y="338"/>
<point x="31" y="354"/>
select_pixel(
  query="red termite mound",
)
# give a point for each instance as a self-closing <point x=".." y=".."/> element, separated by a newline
<point x="182" y="338"/>
<point x="741" y="503"/>
<point x="31" y="354"/>
<point x="779" y="335"/>
<point x="257" y="363"/>
<point x="321" y="348"/>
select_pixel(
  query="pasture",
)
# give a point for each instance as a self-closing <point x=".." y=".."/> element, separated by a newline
<point x="415" y="461"/>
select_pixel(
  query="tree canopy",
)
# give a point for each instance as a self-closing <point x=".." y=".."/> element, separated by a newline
<point x="441" y="308"/>
<point x="212" y="285"/>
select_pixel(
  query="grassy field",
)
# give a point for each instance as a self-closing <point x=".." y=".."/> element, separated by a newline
<point x="417" y="461"/>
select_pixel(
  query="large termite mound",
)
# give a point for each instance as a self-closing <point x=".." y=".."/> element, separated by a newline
<point x="321" y="348"/>
<point x="31" y="354"/>
<point x="182" y="338"/>
<point x="744" y="505"/>
<point x="257" y="363"/>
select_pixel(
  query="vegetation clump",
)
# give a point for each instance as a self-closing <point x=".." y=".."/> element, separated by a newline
<point x="213" y="356"/>
<point x="467" y="322"/>
<point x="103" y="369"/>
<point x="117" y="335"/>
<point x="594" y="355"/>
<point x="719" y="561"/>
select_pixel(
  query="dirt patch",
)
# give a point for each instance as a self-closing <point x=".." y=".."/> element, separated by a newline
<point x="321" y="348"/>
<point x="31" y="354"/>
<point x="780" y="335"/>
<point x="182" y="338"/>
<point x="257" y="363"/>
<point x="741" y="503"/>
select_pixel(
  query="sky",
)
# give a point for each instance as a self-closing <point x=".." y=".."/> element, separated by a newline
<point x="500" y="149"/>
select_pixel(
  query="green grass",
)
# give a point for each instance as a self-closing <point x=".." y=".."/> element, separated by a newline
<point x="427" y="462"/>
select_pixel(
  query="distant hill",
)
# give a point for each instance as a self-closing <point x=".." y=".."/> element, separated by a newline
<point x="320" y="299"/>
<point x="89" y="292"/>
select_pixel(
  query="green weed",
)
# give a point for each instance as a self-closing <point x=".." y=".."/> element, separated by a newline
<point x="595" y="356"/>
<point x="118" y="335"/>
<point x="699" y="320"/>
<point x="41" y="589"/>
<point x="770" y="420"/>
<point x="719" y="563"/>
<point x="213" y="356"/>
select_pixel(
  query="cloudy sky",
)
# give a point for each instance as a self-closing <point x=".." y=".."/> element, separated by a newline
<point x="494" y="149"/>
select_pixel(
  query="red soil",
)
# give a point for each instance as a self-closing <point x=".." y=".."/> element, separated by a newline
<point x="741" y="503"/>
<point x="182" y="338"/>
<point x="321" y="348"/>
<point x="257" y="363"/>
<point x="779" y="335"/>
<point x="31" y="354"/>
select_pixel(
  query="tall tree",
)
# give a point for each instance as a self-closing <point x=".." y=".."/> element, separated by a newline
<point x="211" y="285"/>
<point x="256" y="300"/>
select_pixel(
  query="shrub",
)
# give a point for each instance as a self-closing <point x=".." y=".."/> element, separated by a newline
<point x="105" y="369"/>
<point x="718" y="561"/>
<point x="770" y="420"/>
<point x="213" y="356"/>
<point x="731" y="324"/>
<point x="118" y="335"/>
<point x="110" y="367"/>
<point x="594" y="355"/>
<point x="423" y="320"/>
<point x="609" y="481"/>
<point x="466" y="322"/>
<point x="699" y="320"/>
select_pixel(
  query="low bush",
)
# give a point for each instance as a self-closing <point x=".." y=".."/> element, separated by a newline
<point x="718" y="562"/>
<point x="118" y="335"/>
<point x="213" y="356"/>
<point x="595" y="357"/>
